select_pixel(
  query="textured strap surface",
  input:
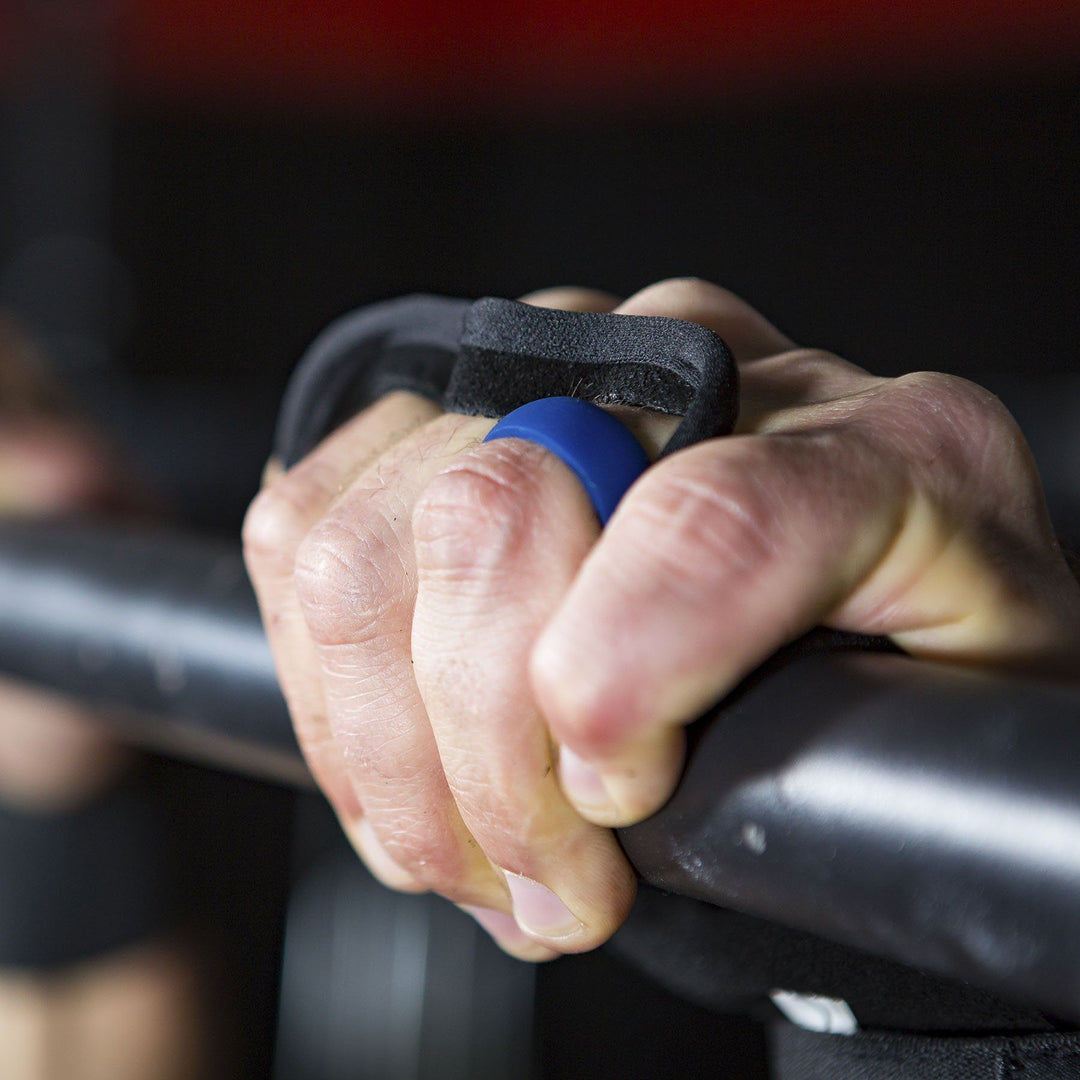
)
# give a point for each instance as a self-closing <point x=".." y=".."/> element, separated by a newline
<point x="405" y="344"/>
<point x="513" y="353"/>
<point x="490" y="357"/>
<point x="805" y="1055"/>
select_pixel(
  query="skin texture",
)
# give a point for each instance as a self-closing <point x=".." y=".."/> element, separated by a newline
<point x="483" y="685"/>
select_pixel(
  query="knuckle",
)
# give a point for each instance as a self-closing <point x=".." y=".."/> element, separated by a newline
<point x="389" y="755"/>
<point x="811" y="365"/>
<point x="936" y="390"/>
<point x="800" y="387"/>
<point x="272" y="525"/>
<point x="809" y="356"/>
<point x="498" y="813"/>
<point x="678" y="292"/>
<point x="594" y="721"/>
<point x="475" y="513"/>
<point x="589" y="714"/>
<point x="957" y="423"/>
<point x="701" y="523"/>
<point x="509" y="805"/>
<point x="346" y="578"/>
<point x="281" y="514"/>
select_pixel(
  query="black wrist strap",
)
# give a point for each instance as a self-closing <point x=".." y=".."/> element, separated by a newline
<point x="489" y="357"/>
<point x="405" y="344"/>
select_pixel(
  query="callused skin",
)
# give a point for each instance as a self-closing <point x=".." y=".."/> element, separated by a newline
<point x="483" y="685"/>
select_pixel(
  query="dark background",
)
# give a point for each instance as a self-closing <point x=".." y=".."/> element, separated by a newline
<point x="192" y="190"/>
<point x="912" y="229"/>
<point x="920" y="228"/>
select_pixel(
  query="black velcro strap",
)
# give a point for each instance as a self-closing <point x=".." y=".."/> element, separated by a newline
<point x="405" y="344"/>
<point x="806" y="1055"/>
<point x="487" y="358"/>
<point x="84" y="882"/>
<point x="512" y="353"/>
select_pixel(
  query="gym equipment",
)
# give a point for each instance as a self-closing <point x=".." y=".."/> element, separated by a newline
<point x="915" y="812"/>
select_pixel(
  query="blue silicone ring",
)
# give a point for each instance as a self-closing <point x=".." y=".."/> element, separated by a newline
<point x="603" y="453"/>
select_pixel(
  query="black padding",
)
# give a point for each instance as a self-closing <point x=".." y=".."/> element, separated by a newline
<point x="730" y="962"/>
<point x="82" y="883"/>
<point x="487" y="358"/>
<point x="853" y="796"/>
<point x="804" y="1055"/>
<point x="405" y="344"/>
<point x="145" y="621"/>
<point x="927" y="876"/>
<point x="513" y="353"/>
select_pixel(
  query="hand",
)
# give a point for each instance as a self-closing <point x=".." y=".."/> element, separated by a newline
<point x="480" y="682"/>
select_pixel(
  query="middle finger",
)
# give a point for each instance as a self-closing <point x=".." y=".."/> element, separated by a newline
<point x="499" y="537"/>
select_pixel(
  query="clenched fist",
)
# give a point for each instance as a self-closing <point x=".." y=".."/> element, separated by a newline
<point x="483" y="684"/>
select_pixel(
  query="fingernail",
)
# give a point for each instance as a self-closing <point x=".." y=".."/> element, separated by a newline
<point x="498" y="924"/>
<point x="538" y="910"/>
<point x="581" y="781"/>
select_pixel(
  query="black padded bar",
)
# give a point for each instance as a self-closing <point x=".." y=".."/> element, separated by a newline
<point x="916" y="811"/>
<point x="150" y="622"/>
